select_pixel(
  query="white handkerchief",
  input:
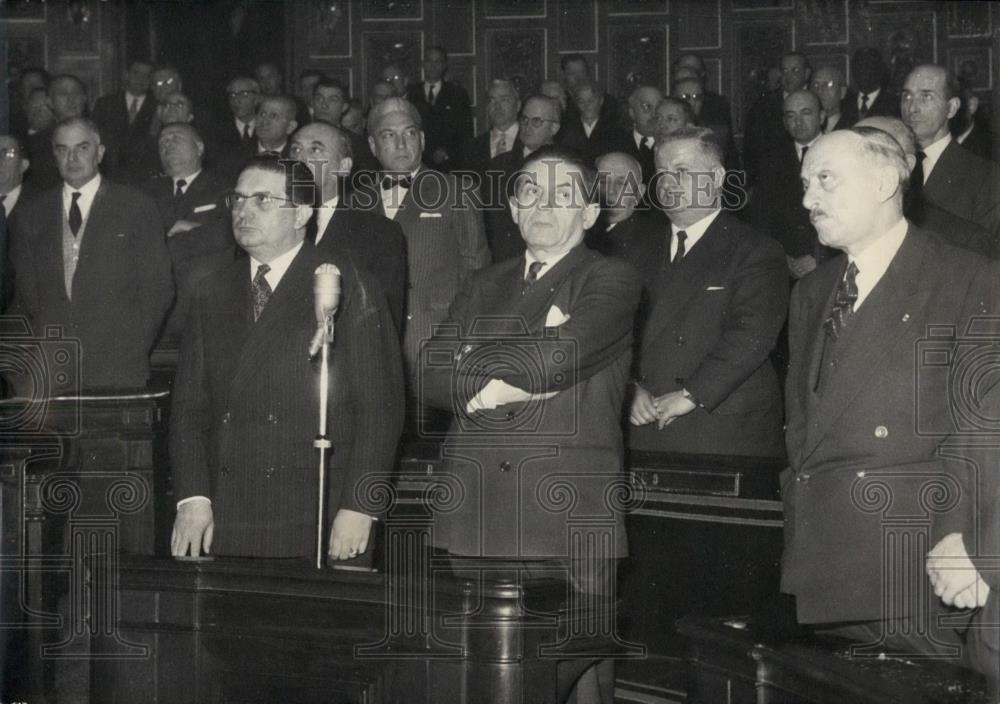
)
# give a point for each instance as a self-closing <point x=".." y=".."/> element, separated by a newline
<point x="430" y="215"/>
<point x="205" y="208"/>
<point x="716" y="288"/>
<point x="555" y="317"/>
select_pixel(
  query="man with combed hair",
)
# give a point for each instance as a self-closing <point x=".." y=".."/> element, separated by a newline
<point x="445" y="111"/>
<point x="865" y="413"/>
<point x="507" y="464"/>
<point x="445" y="242"/>
<point x="672" y="114"/>
<point x="763" y="124"/>
<point x="951" y="176"/>
<point x="236" y="137"/>
<point x="246" y="396"/>
<point x="275" y="124"/>
<point x="89" y="256"/>
<point x="718" y="299"/>
<point x="67" y="99"/>
<point x="588" y="130"/>
<point x="503" y="105"/>
<point x="829" y="86"/>
<point x="642" y="111"/>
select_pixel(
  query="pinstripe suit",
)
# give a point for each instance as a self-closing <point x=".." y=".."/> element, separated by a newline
<point x="245" y="405"/>
<point x="445" y="243"/>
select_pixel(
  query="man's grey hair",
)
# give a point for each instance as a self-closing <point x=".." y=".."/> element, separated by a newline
<point x="391" y="105"/>
<point x="81" y="122"/>
<point x="708" y="143"/>
<point x="880" y="148"/>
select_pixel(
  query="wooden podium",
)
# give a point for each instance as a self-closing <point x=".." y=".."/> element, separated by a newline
<point x="243" y="630"/>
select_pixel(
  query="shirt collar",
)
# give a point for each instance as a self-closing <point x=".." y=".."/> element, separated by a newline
<point x="874" y="260"/>
<point x="933" y="152"/>
<point x="695" y="231"/>
<point x="87" y="190"/>
<point x="279" y="265"/>
<point x="871" y="97"/>
<point x="638" y="138"/>
<point x="240" y="124"/>
<point x="546" y="265"/>
<point x="188" y="180"/>
<point x="324" y="214"/>
<point x="11" y="197"/>
<point x="510" y="132"/>
<point x="436" y="84"/>
<point x="261" y="149"/>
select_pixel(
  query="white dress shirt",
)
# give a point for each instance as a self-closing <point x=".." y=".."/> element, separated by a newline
<point x="873" y="261"/>
<point x="188" y="180"/>
<point x="694" y="233"/>
<point x="11" y="200"/>
<point x="871" y="98"/>
<point x="933" y="153"/>
<point x="241" y="125"/>
<point x="549" y="262"/>
<point x="639" y="139"/>
<point x="137" y="99"/>
<point x="392" y="197"/>
<point x="509" y="135"/>
<point x="87" y="192"/>
<point x="799" y="148"/>
<point x="589" y="129"/>
<point x="324" y="214"/>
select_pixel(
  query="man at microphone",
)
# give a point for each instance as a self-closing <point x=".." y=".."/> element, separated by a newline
<point x="246" y="397"/>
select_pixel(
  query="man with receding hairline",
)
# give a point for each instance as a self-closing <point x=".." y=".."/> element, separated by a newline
<point x="275" y="123"/>
<point x="642" y="111"/>
<point x="89" y="256"/>
<point x="859" y="399"/>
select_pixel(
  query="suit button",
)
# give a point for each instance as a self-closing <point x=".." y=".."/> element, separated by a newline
<point x="881" y="432"/>
<point x="268" y="472"/>
<point x="680" y="340"/>
<point x="511" y="415"/>
<point x="226" y="417"/>
<point x="505" y="466"/>
<point x="224" y="471"/>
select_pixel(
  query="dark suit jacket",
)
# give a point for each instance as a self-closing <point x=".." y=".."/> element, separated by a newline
<point x="123" y="142"/>
<point x="644" y="156"/>
<point x="968" y="187"/>
<point x="377" y="246"/>
<point x="762" y="129"/>
<point x="886" y="104"/>
<point x="201" y="202"/>
<point x="43" y="172"/>
<point x="879" y="421"/>
<point x="445" y="244"/>
<point x="477" y="155"/>
<point x="245" y="406"/>
<point x="502" y="234"/>
<point x="447" y="124"/>
<point x="122" y="287"/>
<point x="714" y="319"/>
<point x="230" y="150"/>
<point x="606" y="137"/>
<point x="776" y="203"/>
<point x="513" y="463"/>
<point x="980" y="143"/>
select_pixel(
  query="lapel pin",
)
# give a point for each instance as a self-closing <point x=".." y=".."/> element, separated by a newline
<point x="906" y="317"/>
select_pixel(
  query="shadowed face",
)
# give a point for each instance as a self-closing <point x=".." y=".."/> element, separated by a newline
<point x="328" y="104"/>
<point x="67" y="99"/>
<point x="13" y="164"/>
<point x="180" y="152"/>
<point x="828" y="85"/>
<point x="794" y="73"/>
<point x="502" y="105"/>
<point x="803" y="116"/>
<point x="165" y="82"/>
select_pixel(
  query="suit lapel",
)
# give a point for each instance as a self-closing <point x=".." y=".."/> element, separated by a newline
<point x="882" y="319"/>
<point x="534" y="305"/>
<point x="94" y="236"/>
<point x="50" y="265"/>
<point x="682" y="282"/>
<point x="234" y="303"/>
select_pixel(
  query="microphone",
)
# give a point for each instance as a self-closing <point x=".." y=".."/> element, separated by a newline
<point x="326" y="289"/>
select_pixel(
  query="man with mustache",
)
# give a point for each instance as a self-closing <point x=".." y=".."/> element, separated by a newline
<point x="869" y="416"/>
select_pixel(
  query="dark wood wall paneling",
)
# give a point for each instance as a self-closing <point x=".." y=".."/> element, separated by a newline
<point x="633" y="41"/>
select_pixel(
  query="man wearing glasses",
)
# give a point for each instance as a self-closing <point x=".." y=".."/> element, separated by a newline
<point x="237" y="137"/>
<point x="539" y="122"/>
<point x="13" y="164"/>
<point x="245" y="409"/>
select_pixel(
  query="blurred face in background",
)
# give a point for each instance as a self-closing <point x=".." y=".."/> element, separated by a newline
<point x="502" y="105"/>
<point x="67" y="98"/>
<point x="138" y="77"/>
<point x="243" y="95"/>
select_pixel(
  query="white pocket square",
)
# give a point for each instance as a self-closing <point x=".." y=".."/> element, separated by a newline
<point x="205" y="208"/>
<point x="555" y="317"/>
<point x="430" y="215"/>
<point x="716" y="288"/>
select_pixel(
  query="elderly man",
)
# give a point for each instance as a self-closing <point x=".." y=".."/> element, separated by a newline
<point x="829" y="86"/>
<point x="445" y="242"/>
<point x="776" y="203"/>
<point x="718" y="301"/>
<point x="584" y="303"/>
<point x="275" y="123"/>
<point x="13" y="163"/>
<point x="921" y="211"/>
<point x="671" y="115"/>
<point x="445" y="111"/>
<point x="269" y="79"/>
<point x="503" y="103"/>
<point x="245" y="404"/>
<point x="763" y="124"/>
<point x="715" y="110"/>
<point x="375" y="243"/>
<point x="589" y="131"/>
<point x="89" y="256"/>
<point x="67" y="99"/>
<point x="865" y="414"/>
<point x="621" y="228"/>
<point x="642" y="111"/>
<point x="540" y="122"/>
<point x="124" y="116"/>
<point x="950" y="176"/>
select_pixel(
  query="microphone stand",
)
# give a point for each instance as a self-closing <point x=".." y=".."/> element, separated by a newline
<point x="322" y="442"/>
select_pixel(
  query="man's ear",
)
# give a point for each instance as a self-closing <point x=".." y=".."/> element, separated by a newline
<point x="25" y="164"/>
<point x="100" y="152"/>
<point x="515" y="212"/>
<point x="972" y="104"/>
<point x="291" y="127"/>
<point x="590" y="215"/>
<point x="344" y="167"/>
<point x="302" y="215"/>
<point x="953" y="106"/>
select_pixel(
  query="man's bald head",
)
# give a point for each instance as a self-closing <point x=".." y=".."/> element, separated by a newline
<point x="381" y="111"/>
<point x="899" y="131"/>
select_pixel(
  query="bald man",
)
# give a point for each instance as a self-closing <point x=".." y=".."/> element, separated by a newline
<point x="621" y="230"/>
<point x="952" y="177"/>
<point x="921" y="211"/>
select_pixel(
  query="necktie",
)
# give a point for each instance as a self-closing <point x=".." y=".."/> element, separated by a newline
<point x="246" y="132"/>
<point x="532" y="276"/>
<point x="501" y="145"/>
<point x="430" y="94"/>
<point x="133" y="109"/>
<point x="179" y="187"/>
<point x="3" y="208"/>
<point x="802" y="155"/>
<point x="681" y="249"/>
<point x="261" y="290"/>
<point x="843" y="303"/>
<point x="75" y="216"/>
<point x="917" y="177"/>
<point x="864" y="104"/>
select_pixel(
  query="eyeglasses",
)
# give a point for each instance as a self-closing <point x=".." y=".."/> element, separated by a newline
<point x="816" y="85"/>
<point x="690" y="96"/>
<point x="264" y="201"/>
<point x="8" y="154"/>
<point x="176" y="104"/>
<point x="163" y="82"/>
<point x="242" y="93"/>
<point x="535" y="122"/>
